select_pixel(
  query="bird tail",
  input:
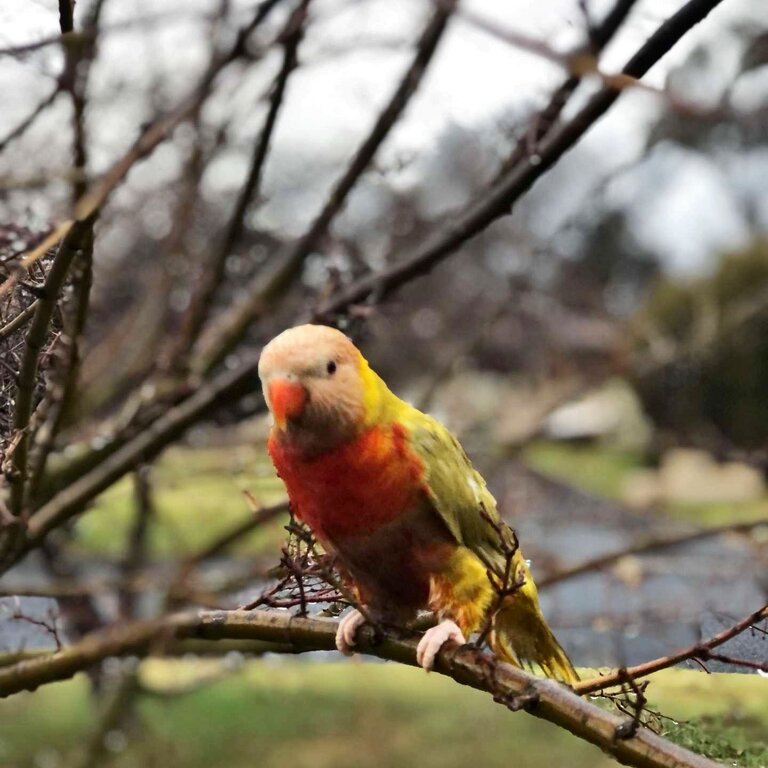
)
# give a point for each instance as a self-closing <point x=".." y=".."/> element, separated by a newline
<point x="521" y="636"/>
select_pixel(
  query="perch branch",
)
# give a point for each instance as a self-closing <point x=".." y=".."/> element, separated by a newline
<point x="509" y="685"/>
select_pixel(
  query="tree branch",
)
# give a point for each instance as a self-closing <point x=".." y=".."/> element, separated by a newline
<point x="647" y="545"/>
<point x="500" y="199"/>
<point x="66" y="16"/>
<point x="19" y="129"/>
<point x="545" y="120"/>
<point x="237" y="532"/>
<point x="227" y="331"/>
<point x="79" y="237"/>
<point x="147" y="444"/>
<point x="13" y="325"/>
<point x="509" y="685"/>
<point x="698" y="650"/>
<point x="201" y="303"/>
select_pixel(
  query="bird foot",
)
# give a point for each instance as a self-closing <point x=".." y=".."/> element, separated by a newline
<point x="345" y="634"/>
<point x="434" y="639"/>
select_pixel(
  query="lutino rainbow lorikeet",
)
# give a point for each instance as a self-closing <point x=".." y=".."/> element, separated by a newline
<point x="389" y="491"/>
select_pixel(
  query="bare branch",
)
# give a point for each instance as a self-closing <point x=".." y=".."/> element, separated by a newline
<point x="143" y="447"/>
<point x="227" y="331"/>
<point x="136" y="550"/>
<point x="652" y="544"/>
<point x="14" y="133"/>
<point x="227" y="539"/>
<point x="544" y="121"/>
<point x="23" y="49"/>
<point x="201" y="303"/>
<point x="509" y="685"/>
<point x="66" y="16"/>
<point x="500" y="199"/>
<point x="118" y="701"/>
<point x="13" y="325"/>
<point x="79" y="237"/>
<point x="699" y="650"/>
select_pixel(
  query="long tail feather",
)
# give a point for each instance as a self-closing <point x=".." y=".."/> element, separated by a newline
<point x="521" y="637"/>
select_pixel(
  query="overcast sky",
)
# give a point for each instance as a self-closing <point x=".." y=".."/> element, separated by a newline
<point x="354" y="51"/>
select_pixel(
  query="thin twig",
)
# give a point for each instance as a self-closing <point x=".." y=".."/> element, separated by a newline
<point x="14" y="133"/>
<point x="546" y="119"/>
<point x="19" y="320"/>
<point x="653" y="544"/>
<point x="509" y="581"/>
<point x="136" y="550"/>
<point x="239" y="531"/>
<point x="227" y="330"/>
<point x="202" y="300"/>
<point x="698" y="650"/>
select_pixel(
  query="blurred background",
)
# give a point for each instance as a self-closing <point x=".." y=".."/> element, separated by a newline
<point x="602" y="352"/>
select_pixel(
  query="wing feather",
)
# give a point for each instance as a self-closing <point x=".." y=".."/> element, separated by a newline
<point x="458" y="491"/>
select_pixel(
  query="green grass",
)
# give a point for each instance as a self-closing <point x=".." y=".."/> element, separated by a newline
<point x="301" y="714"/>
<point x="198" y="495"/>
<point x="360" y="716"/>
<point x="599" y="470"/>
<point x="718" y="513"/>
<point x="603" y="471"/>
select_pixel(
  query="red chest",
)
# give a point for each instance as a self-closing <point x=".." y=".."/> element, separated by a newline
<point x="355" y="488"/>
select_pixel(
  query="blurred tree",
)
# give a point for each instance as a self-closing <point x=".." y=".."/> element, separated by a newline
<point x="705" y="377"/>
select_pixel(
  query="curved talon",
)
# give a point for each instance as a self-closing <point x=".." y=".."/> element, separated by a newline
<point x="345" y="634"/>
<point x="434" y="639"/>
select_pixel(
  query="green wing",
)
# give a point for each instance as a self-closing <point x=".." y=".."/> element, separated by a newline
<point x="458" y="491"/>
<point x="459" y="495"/>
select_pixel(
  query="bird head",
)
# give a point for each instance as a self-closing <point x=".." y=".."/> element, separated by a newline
<point x="318" y="387"/>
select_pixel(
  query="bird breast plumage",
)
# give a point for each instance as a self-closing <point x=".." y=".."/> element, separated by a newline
<point x="367" y="502"/>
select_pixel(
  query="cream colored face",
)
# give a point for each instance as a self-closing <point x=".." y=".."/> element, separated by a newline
<point x="311" y="380"/>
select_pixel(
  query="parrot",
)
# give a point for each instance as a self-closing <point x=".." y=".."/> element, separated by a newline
<point x="390" y="494"/>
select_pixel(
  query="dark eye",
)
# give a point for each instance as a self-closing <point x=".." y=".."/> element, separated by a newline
<point x="331" y="367"/>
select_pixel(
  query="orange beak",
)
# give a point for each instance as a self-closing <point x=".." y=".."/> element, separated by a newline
<point x="287" y="400"/>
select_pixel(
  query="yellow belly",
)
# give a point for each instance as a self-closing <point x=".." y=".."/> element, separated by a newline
<point x="461" y="590"/>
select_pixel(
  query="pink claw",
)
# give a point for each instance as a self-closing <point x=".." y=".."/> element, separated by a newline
<point x="433" y="641"/>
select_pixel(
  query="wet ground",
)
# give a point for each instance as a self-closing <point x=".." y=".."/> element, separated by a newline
<point x="642" y="607"/>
